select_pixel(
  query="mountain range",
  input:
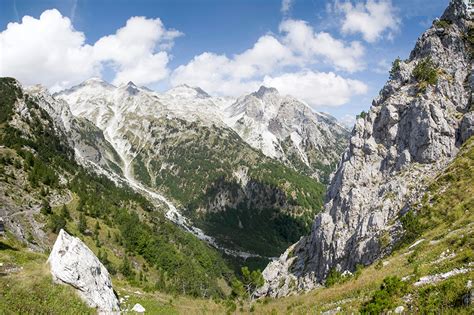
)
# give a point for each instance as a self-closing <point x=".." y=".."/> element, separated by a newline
<point x="181" y="192"/>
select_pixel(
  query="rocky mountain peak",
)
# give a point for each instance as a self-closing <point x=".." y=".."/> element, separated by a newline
<point x="263" y="90"/>
<point x="409" y="135"/>
<point x="457" y="12"/>
<point x="186" y="91"/>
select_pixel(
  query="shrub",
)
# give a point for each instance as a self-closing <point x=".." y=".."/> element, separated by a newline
<point x="425" y="73"/>
<point x="412" y="228"/>
<point x="395" y="68"/>
<point x="45" y="208"/>
<point x="56" y="223"/>
<point x="362" y="115"/>
<point x="442" y="23"/>
<point x="333" y="277"/>
<point x="384" y="299"/>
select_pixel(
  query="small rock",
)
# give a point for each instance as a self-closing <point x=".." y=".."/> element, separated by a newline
<point x="399" y="309"/>
<point x="138" y="308"/>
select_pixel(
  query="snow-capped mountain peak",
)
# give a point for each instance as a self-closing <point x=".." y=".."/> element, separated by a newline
<point x="186" y="91"/>
<point x="263" y="90"/>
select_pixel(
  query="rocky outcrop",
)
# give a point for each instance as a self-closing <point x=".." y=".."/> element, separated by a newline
<point x="73" y="263"/>
<point x="412" y="131"/>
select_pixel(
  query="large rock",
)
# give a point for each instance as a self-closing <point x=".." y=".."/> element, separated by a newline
<point x="409" y="136"/>
<point x="73" y="263"/>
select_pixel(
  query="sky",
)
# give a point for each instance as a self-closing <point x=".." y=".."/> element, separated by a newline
<point x="334" y="55"/>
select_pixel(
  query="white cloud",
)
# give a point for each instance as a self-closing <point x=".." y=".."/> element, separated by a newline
<point x="307" y="43"/>
<point x="317" y="88"/>
<point x="286" y="6"/>
<point x="50" y="51"/>
<point x="234" y="76"/>
<point x="46" y="50"/>
<point x="372" y="19"/>
<point x="131" y="50"/>
<point x="297" y="47"/>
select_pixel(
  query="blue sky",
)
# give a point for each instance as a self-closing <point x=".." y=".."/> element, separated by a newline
<point x="332" y="54"/>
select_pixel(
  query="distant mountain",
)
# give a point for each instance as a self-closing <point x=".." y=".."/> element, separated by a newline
<point x="286" y="129"/>
<point x="190" y="147"/>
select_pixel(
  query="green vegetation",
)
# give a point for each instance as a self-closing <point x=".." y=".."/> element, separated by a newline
<point x="362" y="115"/>
<point x="385" y="298"/>
<point x="176" y="261"/>
<point x="251" y="280"/>
<point x="395" y="68"/>
<point x="333" y="277"/>
<point x="425" y="73"/>
<point x="27" y="288"/>
<point x="199" y="165"/>
<point x="442" y="23"/>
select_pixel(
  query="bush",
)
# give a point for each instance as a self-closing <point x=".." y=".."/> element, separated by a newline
<point x="384" y="299"/>
<point x="362" y="115"/>
<point x="442" y="23"/>
<point x="56" y="223"/>
<point x="333" y="277"/>
<point x="45" y="208"/>
<point x="412" y="228"/>
<point x="425" y="73"/>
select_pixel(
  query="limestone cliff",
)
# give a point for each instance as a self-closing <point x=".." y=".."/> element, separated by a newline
<point x="412" y="131"/>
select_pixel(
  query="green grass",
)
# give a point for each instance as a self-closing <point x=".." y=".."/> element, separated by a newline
<point x="28" y="287"/>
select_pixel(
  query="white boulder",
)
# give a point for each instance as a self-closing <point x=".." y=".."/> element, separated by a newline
<point x="138" y="308"/>
<point x="73" y="263"/>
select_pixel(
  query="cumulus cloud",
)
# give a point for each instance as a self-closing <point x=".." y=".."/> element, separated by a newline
<point x="372" y="19"/>
<point x="46" y="50"/>
<point x="297" y="47"/>
<point x="317" y="88"/>
<point x="131" y="51"/>
<point x="234" y="76"/>
<point x="310" y="45"/>
<point x="50" y="51"/>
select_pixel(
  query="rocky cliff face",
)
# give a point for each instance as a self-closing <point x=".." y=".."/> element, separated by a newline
<point x="413" y="129"/>
<point x="73" y="263"/>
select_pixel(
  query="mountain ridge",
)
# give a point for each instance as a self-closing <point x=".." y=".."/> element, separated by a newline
<point x="410" y="135"/>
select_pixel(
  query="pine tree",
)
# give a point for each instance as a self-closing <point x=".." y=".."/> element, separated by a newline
<point x="46" y="208"/>
<point x="126" y="268"/>
<point x="82" y="225"/>
<point x="97" y="228"/>
<point x="65" y="213"/>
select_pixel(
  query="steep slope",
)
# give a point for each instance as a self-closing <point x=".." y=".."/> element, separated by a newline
<point x="288" y="130"/>
<point x="431" y="270"/>
<point x="412" y="131"/>
<point x="178" y="144"/>
<point x="43" y="189"/>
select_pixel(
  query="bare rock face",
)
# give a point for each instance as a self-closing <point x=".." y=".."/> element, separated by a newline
<point x="73" y="263"/>
<point x="412" y="131"/>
